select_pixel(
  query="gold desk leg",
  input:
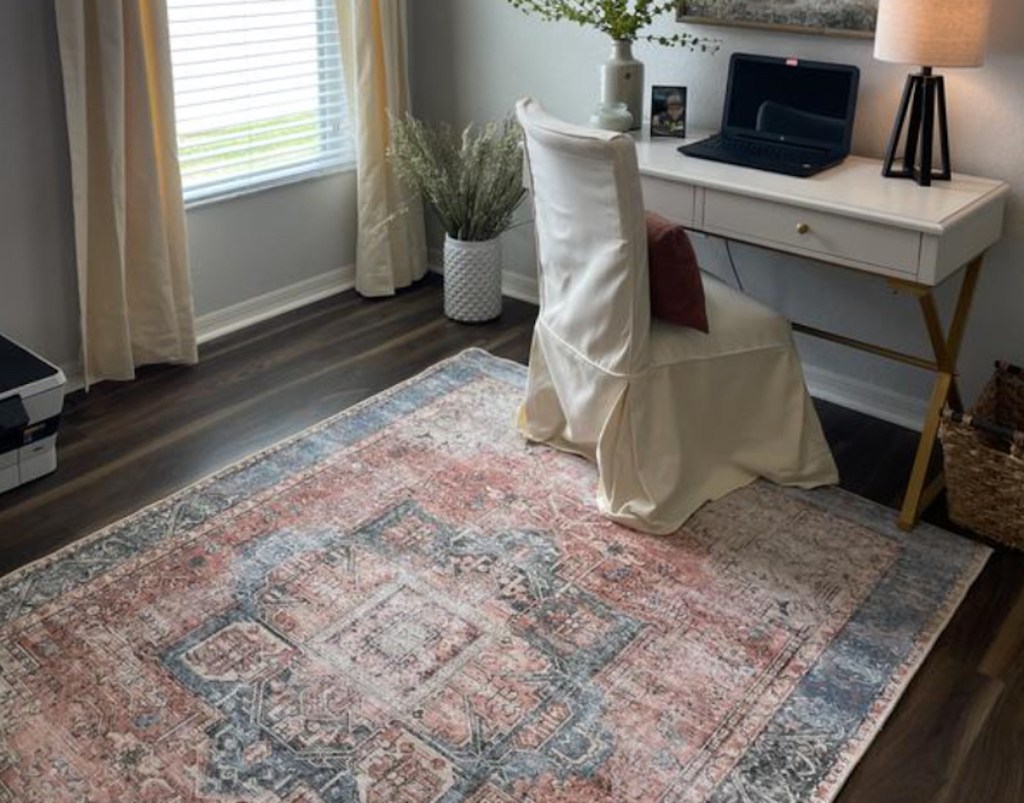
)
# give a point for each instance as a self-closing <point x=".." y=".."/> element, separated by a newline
<point x="947" y="351"/>
<point x="960" y="315"/>
<point x="911" y="510"/>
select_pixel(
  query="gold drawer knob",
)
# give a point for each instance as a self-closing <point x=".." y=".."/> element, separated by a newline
<point x="802" y="228"/>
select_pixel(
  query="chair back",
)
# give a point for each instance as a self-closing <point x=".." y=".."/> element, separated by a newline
<point x="591" y="239"/>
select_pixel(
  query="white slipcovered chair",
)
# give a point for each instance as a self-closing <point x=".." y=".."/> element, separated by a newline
<point x="673" y="417"/>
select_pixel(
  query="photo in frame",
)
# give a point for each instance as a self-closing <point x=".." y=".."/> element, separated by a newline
<point x="835" y="17"/>
<point x="668" y="111"/>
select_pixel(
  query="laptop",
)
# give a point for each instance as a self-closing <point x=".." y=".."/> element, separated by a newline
<point x="784" y="115"/>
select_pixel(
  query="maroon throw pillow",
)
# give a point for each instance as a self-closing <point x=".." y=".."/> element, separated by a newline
<point x="677" y="294"/>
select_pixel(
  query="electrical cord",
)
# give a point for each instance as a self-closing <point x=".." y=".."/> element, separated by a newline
<point x="732" y="264"/>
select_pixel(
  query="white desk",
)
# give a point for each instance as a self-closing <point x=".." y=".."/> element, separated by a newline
<point x="913" y="237"/>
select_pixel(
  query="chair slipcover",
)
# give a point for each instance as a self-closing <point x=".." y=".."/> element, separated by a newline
<point x="673" y="417"/>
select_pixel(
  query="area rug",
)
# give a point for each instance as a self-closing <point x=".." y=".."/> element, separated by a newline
<point x="407" y="603"/>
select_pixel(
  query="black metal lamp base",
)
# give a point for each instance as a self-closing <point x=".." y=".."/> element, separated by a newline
<point x="923" y="95"/>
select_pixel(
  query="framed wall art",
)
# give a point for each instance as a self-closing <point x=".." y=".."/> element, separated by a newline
<point x="834" y="17"/>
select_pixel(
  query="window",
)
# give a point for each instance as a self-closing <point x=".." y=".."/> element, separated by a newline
<point x="259" y="93"/>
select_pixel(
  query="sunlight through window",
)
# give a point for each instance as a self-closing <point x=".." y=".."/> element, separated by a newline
<point x="259" y="94"/>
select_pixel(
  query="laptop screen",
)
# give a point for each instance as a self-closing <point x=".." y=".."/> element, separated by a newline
<point x="790" y="100"/>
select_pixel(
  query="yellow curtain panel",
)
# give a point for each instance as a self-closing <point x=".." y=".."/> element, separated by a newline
<point x="391" y="250"/>
<point x="131" y="243"/>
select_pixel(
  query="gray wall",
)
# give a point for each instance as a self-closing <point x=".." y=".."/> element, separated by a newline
<point x="38" y="290"/>
<point x="240" y="248"/>
<point x="255" y="244"/>
<point x="473" y="58"/>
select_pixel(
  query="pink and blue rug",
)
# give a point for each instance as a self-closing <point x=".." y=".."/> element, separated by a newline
<point x="407" y="603"/>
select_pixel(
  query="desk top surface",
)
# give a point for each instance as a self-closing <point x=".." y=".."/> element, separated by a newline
<point x="855" y="188"/>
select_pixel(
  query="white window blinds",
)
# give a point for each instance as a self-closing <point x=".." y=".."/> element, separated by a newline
<point x="259" y="93"/>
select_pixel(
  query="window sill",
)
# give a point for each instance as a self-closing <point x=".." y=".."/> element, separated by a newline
<point x="268" y="184"/>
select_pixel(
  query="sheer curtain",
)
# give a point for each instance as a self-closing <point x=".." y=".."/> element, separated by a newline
<point x="391" y="250"/>
<point x="131" y="247"/>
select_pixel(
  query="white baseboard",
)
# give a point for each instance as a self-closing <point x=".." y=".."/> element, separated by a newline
<point x="524" y="288"/>
<point x="74" y="378"/>
<point x="246" y="313"/>
<point x="435" y="261"/>
<point x="865" y="397"/>
<point x="855" y="394"/>
<point x="513" y="285"/>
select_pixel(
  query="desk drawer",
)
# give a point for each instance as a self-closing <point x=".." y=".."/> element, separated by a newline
<point x="671" y="199"/>
<point x="791" y="228"/>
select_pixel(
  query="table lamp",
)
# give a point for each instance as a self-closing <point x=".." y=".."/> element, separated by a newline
<point x="928" y="33"/>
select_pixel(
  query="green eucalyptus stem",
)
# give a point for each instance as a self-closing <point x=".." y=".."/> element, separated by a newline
<point x="623" y="20"/>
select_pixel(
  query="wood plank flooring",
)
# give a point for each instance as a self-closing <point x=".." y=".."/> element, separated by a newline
<point x="958" y="733"/>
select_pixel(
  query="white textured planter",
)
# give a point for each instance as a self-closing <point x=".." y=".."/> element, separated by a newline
<point x="622" y="80"/>
<point x="472" y="280"/>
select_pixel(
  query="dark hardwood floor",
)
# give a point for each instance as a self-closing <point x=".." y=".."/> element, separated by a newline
<point x="957" y="734"/>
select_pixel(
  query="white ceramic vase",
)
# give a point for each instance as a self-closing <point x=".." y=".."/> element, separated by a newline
<point x="622" y="80"/>
<point x="472" y="280"/>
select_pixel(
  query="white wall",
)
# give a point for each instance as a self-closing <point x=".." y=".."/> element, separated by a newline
<point x="473" y="58"/>
<point x="240" y="248"/>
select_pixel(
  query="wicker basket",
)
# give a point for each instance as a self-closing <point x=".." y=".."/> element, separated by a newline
<point x="984" y="460"/>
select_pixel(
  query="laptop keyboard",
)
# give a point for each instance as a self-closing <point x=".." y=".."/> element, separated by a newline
<point x="791" y="159"/>
<point x="764" y="150"/>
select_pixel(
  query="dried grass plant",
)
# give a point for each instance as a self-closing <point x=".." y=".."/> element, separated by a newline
<point x="472" y="180"/>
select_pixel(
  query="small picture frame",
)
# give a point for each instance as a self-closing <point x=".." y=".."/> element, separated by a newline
<point x="668" y="111"/>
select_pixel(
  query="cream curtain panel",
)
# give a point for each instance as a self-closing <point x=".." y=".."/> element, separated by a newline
<point x="391" y="251"/>
<point x="131" y="247"/>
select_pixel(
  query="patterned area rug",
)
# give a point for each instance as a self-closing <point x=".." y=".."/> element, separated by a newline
<point x="407" y="603"/>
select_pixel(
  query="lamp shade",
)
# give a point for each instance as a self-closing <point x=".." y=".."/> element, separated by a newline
<point x="933" y="33"/>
